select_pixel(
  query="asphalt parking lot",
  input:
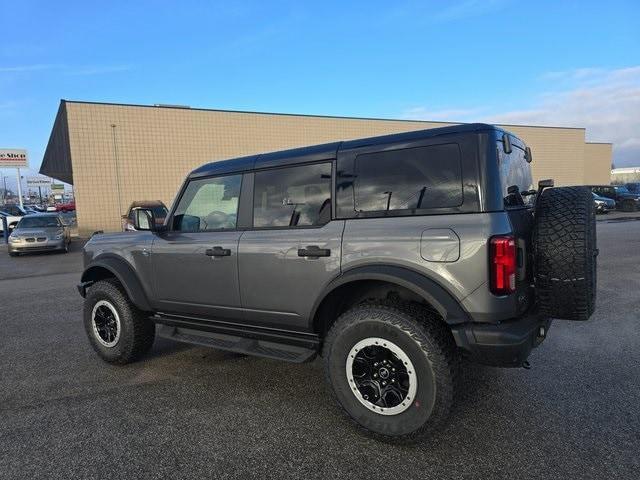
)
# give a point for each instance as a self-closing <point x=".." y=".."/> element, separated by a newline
<point x="189" y="412"/>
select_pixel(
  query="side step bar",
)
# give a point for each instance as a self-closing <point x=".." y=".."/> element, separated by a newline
<point x="262" y="342"/>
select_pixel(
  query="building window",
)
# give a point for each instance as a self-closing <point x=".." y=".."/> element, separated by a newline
<point x="403" y="181"/>
<point x="209" y="204"/>
<point x="293" y="197"/>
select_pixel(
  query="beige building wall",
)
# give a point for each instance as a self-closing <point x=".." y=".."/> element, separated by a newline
<point x="150" y="150"/>
<point x="597" y="163"/>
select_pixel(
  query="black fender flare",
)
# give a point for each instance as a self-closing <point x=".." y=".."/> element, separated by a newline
<point x="443" y="301"/>
<point x="125" y="274"/>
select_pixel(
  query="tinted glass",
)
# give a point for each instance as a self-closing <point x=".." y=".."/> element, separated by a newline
<point x="293" y="197"/>
<point x="208" y="204"/>
<point x="159" y="212"/>
<point x="514" y="171"/>
<point x="409" y="179"/>
<point x="39" y="222"/>
<point x="622" y="189"/>
<point x="12" y="210"/>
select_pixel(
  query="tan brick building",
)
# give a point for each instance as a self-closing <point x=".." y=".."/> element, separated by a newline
<point x="114" y="154"/>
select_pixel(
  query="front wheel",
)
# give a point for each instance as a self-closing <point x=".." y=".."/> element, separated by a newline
<point x="392" y="369"/>
<point x="117" y="330"/>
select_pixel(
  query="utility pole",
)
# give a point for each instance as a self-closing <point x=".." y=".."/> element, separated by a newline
<point x="19" y="188"/>
<point x="115" y="157"/>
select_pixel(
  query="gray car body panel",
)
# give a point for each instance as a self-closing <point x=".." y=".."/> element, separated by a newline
<point x="279" y="287"/>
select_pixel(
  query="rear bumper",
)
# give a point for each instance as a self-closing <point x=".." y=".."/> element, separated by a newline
<point x="504" y="344"/>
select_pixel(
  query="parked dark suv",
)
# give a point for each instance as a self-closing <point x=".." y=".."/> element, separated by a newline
<point x="392" y="257"/>
<point x="625" y="200"/>
<point x="633" y="187"/>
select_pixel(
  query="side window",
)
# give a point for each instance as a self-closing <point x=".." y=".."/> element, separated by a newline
<point x="409" y="179"/>
<point x="208" y="204"/>
<point x="293" y="196"/>
<point x="514" y="171"/>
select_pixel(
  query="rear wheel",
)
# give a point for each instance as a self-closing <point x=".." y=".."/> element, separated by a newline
<point x="392" y="369"/>
<point x="117" y="330"/>
<point x="565" y="251"/>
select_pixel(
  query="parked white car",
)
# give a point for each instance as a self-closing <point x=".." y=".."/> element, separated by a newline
<point x="12" y="220"/>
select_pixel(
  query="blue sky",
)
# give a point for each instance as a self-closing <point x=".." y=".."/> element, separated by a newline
<point x="571" y="63"/>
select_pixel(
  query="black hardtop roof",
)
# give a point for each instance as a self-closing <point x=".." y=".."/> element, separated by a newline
<point x="327" y="151"/>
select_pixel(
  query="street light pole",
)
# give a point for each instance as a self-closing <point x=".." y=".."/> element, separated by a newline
<point x="117" y="168"/>
<point x="19" y="188"/>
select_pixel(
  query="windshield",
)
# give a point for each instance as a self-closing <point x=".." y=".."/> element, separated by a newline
<point x="39" y="222"/>
<point x="620" y="189"/>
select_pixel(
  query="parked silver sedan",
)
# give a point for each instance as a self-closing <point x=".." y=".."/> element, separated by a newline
<point x="39" y="233"/>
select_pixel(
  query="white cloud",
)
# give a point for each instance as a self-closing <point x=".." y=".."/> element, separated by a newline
<point x="604" y="101"/>
<point x="25" y="68"/>
<point x="67" y="69"/>
<point x="97" y="69"/>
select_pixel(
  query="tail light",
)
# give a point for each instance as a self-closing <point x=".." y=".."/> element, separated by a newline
<point x="502" y="263"/>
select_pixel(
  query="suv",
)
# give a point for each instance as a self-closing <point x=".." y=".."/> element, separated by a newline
<point x="625" y="200"/>
<point x="392" y="257"/>
<point x="633" y="187"/>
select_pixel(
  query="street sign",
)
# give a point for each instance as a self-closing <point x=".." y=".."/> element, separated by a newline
<point x="57" y="188"/>
<point x="35" y="182"/>
<point x="13" y="157"/>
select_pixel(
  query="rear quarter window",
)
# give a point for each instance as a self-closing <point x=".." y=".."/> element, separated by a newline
<point x="514" y="170"/>
<point x="408" y="180"/>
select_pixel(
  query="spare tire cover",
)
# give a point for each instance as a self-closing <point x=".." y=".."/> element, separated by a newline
<point x="564" y="245"/>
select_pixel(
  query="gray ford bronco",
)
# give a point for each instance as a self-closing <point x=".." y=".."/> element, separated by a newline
<point x="392" y="257"/>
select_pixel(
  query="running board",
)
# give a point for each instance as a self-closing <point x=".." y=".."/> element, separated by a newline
<point x="280" y="346"/>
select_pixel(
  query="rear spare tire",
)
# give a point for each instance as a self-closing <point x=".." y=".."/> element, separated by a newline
<point x="564" y="242"/>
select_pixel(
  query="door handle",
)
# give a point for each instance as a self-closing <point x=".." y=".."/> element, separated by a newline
<point x="313" y="251"/>
<point x="217" y="252"/>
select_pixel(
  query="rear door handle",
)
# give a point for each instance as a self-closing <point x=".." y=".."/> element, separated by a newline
<point x="217" y="252"/>
<point x="313" y="251"/>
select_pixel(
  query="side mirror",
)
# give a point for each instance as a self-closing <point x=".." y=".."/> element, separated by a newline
<point x="548" y="183"/>
<point x="506" y="143"/>
<point x="143" y="219"/>
<point x="528" y="156"/>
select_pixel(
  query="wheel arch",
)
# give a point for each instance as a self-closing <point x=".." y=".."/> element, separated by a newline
<point x="112" y="267"/>
<point x="410" y="283"/>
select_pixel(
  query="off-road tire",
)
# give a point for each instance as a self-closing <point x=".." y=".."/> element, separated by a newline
<point x="137" y="330"/>
<point x="564" y="243"/>
<point x="426" y="341"/>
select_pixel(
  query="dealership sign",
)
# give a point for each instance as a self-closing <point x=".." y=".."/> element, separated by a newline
<point x="57" y="187"/>
<point x="11" y="157"/>
<point x="35" y="182"/>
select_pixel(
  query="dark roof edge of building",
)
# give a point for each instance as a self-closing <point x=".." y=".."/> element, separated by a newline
<point x="345" y="117"/>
